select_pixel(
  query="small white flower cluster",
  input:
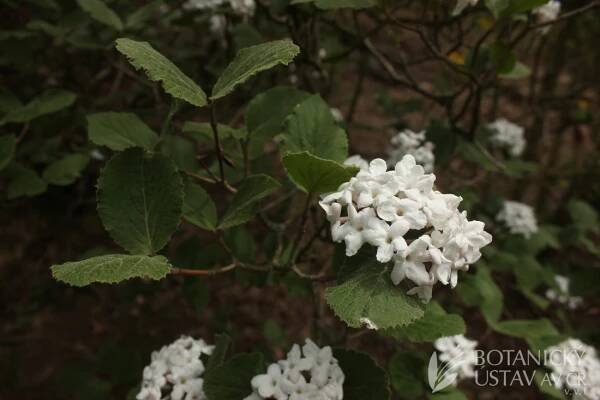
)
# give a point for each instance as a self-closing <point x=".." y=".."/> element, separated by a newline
<point x="413" y="143"/>
<point x="519" y="218"/>
<point x="462" y="4"/>
<point x="459" y="355"/>
<point x="240" y="7"/>
<point x="385" y="208"/>
<point x="507" y="135"/>
<point x="337" y="114"/>
<point x="575" y="366"/>
<point x="310" y="374"/>
<point x="175" y="372"/>
<point x="548" y="12"/>
<point x="563" y="296"/>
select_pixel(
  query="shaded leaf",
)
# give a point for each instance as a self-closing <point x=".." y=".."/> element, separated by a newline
<point x="24" y="181"/>
<point x="46" y="103"/>
<point x="316" y="175"/>
<point x="112" y="268"/>
<point x="158" y="68"/>
<point x="218" y="356"/>
<point x="481" y="290"/>
<point x="8" y="143"/>
<point x="252" y="60"/>
<point x="139" y="17"/>
<point x="231" y="380"/>
<point x="526" y="328"/>
<point x="364" y="379"/>
<point x="139" y="200"/>
<point x="66" y="170"/>
<point x="198" y="207"/>
<point x="406" y="374"/>
<point x="119" y="131"/>
<point x="98" y="10"/>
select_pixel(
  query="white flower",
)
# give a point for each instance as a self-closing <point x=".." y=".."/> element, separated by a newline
<point x="380" y="208"/>
<point x="245" y="8"/>
<point x="413" y="143"/>
<point x="462" y="4"/>
<point x="177" y="367"/>
<point x="310" y="374"/>
<point x="575" y="366"/>
<point x="519" y="218"/>
<point x="357" y="161"/>
<point x="202" y="4"/>
<point x="548" y="12"/>
<point x="335" y="112"/>
<point x="563" y="296"/>
<point x="217" y="24"/>
<point x="459" y="354"/>
<point x="507" y="135"/>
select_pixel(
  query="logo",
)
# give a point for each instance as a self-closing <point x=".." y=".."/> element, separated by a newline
<point x="440" y="376"/>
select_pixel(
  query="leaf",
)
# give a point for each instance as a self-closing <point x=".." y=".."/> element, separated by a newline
<point x="519" y="71"/>
<point x="367" y="293"/>
<point x="481" y="290"/>
<point x="312" y="128"/>
<point x="406" y="374"/>
<point x="99" y="11"/>
<point x="112" y="268"/>
<point x="65" y="171"/>
<point x="546" y="385"/>
<point x="241" y="210"/>
<point x="364" y="379"/>
<point x="521" y="6"/>
<point x="24" y="181"/>
<point x="8" y="143"/>
<point x="252" y="60"/>
<point x="198" y="207"/>
<point x="119" y="131"/>
<point x="222" y="345"/>
<point x="231" y="380"/>
<point x="158" y="68"/>
<point x="526" y="328"/>
<point x="139" y="200"/>
<point x="315" y="175"/>
<point x="583" y="215"/>
<point x="497" y="7"/>
<point x="435" y="323"/>
<point x="8" y="101"/>
<point x="138" y="18"/>
<point x="46" y="103"/>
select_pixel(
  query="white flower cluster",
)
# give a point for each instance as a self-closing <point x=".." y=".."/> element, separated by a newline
<point x="462" y="4"/>
<point x="519" y="218"/>
<point x="385" y="208"/>
<point x="575" y="366"/>
<point x="240" y="7"/>
<point x="459" y="355"/>
<point x="413" y="143"/>
<point x="507" y="135"/>
<point x="548" y="12"/>
<point x="175" y="372"/>
<point x="563" y="296"/>
<point x="310" y="374"/>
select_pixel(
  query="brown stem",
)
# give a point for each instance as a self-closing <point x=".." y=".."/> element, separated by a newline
<point x="219" y="151"/>
<point x="203" y="272"/>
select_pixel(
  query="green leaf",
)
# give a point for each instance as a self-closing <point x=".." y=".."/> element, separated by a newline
<point x="526" y="328"/>
<point x="198" y="207"/>
<point x="24" y="181"/>
<point x="218" y="356"/>
<point x="497" y="7"/>
<point x="138" y="18"/>
<point x="8" y="143"/>
<point x="521" y="6"/>
<point x="367" y="296"/>
<point x="406" y="371"/>
<point x="241" y="209"/>
<point x="65" y="171"/>
<point x="99" y="11"/>
<point x="158" y="68"/>
<point x="8" y="101"/>
<point x="231" y="380"/>
<point x="315" y="175"/>
<point x="312" y="128"/>
<point x="519" y="71"/>
<point x="583" y="215"/>
<point x="435" y="323"/>
<point x="364" y="380"/>
<point x="266" y="114"/>
<point x="481" y="290"/>
<point x="502" y="57"/>
<point x="336" y="4"/>
<point x="139" y="200"/>
<point x="46" y="103"/>
<point x="112" y="268"/>
<point x="252" y="60"/>
<point x="546" y="385"/>
<point x="119" y="131"/>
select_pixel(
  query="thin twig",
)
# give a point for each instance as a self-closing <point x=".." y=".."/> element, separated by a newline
<point x="203" y="272"/>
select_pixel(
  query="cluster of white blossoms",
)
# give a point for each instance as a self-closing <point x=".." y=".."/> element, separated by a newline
<point x="175" y="372"/>
<point x="387" y="208"/>
<point x="519" y="218"/>
<point x="507" y="135"/>
<point x="240" y="7"/>
<point x="462" y="4"/>
<point x="563" y="296"/>
<point x="459" y="355"/>
<point x="575" y="366"/>
<point x="413" y="143"/>
<point x="548" y="12"/>
<point x="308" y="374"/>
